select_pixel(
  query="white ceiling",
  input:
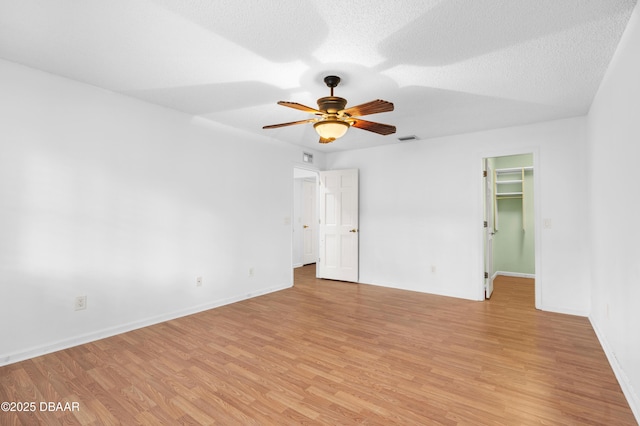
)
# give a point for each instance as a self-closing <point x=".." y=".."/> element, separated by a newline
<point x="449" y="66"/>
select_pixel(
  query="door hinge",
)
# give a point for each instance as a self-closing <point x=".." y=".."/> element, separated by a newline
<point x="485" y="224"/>
<point x="484" y="173"/>
<point x="486" y="275"/>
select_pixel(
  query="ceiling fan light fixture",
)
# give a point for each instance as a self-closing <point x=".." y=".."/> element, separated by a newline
<point x="331" y="128"/>
<point x="333" y="119"/>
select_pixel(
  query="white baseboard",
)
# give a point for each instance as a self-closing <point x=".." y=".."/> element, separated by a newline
<point x="627" y="389"/>
<point x="557" y="310"/>
<point x="10" y="358"/>
<point x="514" y="274"/>
<point x="298" y="265"/>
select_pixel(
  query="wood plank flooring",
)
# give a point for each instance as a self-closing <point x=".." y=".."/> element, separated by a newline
<point x="327" y="352"/>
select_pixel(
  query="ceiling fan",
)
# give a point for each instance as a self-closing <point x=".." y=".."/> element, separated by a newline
<point x="333" y="119"/>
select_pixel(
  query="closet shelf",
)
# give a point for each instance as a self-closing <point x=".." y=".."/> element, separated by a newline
<point x="513" y="170"/>
<point x="512" y="186"/>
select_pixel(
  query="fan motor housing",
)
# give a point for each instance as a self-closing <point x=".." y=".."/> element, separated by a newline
<point x="331" y="104"/>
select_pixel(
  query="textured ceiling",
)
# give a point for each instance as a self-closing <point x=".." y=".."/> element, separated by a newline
<point x="449" y="66"/>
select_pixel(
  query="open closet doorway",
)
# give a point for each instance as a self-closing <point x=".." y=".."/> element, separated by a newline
<point x="509" y="215"/>
<point x="305" y="222"/>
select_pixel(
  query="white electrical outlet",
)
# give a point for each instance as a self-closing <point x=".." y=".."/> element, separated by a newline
<point x="199" y="282"/>
<point x="80" y="303"/>
<point x="251" y="271"/>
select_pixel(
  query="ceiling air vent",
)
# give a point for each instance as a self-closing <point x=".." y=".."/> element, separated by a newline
<point x="407" y="138"/>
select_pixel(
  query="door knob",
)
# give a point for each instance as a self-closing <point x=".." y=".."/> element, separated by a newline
<point x="354" y="230"/>
<point x="305" y="226"/>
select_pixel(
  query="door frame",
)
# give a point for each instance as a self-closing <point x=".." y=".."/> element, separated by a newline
<point x="537" y="208"/>
<point x="489" y="226"/>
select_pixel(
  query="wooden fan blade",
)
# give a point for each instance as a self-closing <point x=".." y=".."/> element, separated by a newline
<point x="301" y="107"/>
<point x="372" y="107"/>
<point x="326" y="140"/>
<point x="291" y="123"/>
<point x="379" y="128"/>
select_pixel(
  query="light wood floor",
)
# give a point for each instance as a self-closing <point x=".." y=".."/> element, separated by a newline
<point x="328" y="352"/>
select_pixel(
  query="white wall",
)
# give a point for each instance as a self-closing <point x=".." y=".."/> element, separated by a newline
<point x="421" y="206"/>
<point x="614" y="155"/>
<point x="127" y="203"/>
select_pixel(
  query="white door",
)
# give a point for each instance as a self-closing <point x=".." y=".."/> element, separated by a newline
<point x="488" y="230"/>
<point x="309" y="222"/>
<point x="338" y="225"/>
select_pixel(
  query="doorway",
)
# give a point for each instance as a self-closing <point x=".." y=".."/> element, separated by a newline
<point x="304" y="223"/>
<point x="325" y="223"/>
<point x="509" y="218"/>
